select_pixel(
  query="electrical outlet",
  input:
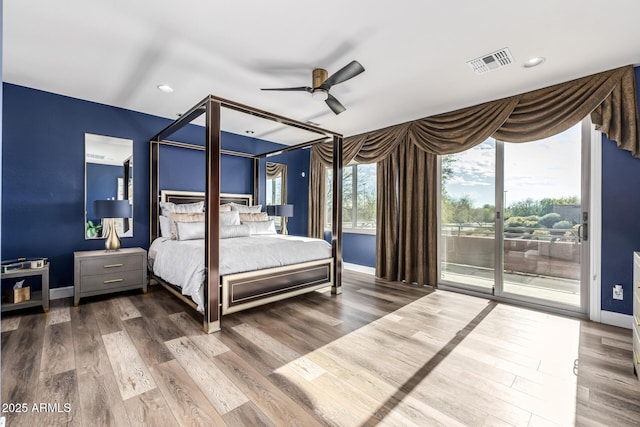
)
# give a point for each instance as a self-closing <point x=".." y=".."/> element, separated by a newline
<point x="618" y="292"/>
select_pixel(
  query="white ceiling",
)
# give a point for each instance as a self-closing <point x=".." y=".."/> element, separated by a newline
<point x="116" y="52"/>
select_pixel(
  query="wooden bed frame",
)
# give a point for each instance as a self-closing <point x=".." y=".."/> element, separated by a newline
<point x="244" y="290"/>
<point x="241" y="291"/>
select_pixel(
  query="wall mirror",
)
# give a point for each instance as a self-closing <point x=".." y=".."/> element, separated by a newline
<point x="108" y="175"/>
<point x="276" y="187"/>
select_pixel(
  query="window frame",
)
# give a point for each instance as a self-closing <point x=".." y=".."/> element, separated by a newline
<point x="353" y="229"/>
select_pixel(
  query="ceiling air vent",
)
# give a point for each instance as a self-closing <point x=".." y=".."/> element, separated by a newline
<point x="491" y="61"/>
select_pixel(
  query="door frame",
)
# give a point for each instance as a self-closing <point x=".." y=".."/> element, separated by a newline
<point x="591" y="254"/>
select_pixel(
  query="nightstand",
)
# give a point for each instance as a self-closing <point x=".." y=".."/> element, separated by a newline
<point x="101" y="272"/>
<point x="37" y="297"/>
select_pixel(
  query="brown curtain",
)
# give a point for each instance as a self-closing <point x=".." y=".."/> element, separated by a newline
<point x="549" y="111"/>
<point x="317" y="192"/>
<point x="321" y="158"/>
<point x="613" y="115"/>
<point x="417" y="182"/>
<point x="406" y="157"/>
<point x="387" y="218"/>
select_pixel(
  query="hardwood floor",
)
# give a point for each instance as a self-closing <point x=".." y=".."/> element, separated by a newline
<point x="379" y="354"/>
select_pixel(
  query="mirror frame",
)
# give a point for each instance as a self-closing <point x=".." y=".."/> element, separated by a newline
<point x="123" y="185"/>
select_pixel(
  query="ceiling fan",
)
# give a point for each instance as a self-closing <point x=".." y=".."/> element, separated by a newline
<point x="322" y="84"/>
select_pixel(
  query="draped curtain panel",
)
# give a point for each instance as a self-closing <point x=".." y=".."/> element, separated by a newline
<point x="406" y="157"/>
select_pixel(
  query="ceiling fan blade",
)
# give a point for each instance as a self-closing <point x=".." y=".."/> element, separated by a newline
<point x="334" y="104"/>
<point x="347" y="72"/>
<point x="298" y="89"/>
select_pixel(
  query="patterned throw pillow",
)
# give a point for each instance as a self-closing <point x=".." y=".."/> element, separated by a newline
<point x="258" y="216"/>
<point x="168" y="208"/>
<point x="246" y="209"/>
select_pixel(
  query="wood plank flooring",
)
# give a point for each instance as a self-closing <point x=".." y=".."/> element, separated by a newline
<point x="381" y="353"/>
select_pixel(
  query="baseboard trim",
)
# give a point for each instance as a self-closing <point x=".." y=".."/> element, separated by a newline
<point x="616" y="319"/>
<point x="359" y="268"/>
<point x="60" y="293"/>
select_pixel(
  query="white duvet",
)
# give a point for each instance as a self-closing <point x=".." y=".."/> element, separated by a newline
<point x="181" y="263"/>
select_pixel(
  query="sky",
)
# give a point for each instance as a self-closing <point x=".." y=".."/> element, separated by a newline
<point x="549" y="168"/>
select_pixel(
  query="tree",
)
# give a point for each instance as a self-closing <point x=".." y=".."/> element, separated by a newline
<point x="524" y="207"/>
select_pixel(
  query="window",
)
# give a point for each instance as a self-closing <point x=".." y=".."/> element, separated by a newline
<point x="276" y="173"/>
<point x="358" y="197"/>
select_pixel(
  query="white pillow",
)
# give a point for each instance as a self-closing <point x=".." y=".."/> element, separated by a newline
<point x="246" y="209"/>
<point x="168" y="207"/>
<point x="229" y="218"/>
<point x="189" y="230"/>
<point x="165" y="226"/>
<point x="177" y="217"/>
<point x="261" y="227"/>
<point x="231" y="231"/>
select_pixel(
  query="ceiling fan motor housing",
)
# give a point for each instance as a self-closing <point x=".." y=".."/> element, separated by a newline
<point x="318" y="77"/>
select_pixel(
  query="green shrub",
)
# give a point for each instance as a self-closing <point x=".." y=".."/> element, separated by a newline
<point x="549" y="219"/>
<point x="563" y="224"/>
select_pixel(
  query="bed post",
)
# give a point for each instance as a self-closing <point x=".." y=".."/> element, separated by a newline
<point x="154" y="190"/>
<point x="336" y="222"/>
<point x="256" y="181"/>
<point x="212" y="214"/>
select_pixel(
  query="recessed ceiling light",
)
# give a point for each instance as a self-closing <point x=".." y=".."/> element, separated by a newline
<point x="249" y="132"/>
<point x="165" y="88"/>
<point x="534" y="61"/>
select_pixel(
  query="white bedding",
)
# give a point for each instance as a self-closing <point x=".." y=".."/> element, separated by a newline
<point x="181" y="263"/>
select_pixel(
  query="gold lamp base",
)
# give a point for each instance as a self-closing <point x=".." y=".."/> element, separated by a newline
<point x="283" y="226"/>
<point x="112" y="241"/>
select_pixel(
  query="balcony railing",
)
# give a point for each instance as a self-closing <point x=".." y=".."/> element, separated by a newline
<point x="550" y="252"/>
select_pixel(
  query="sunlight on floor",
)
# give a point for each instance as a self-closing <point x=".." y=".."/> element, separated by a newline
<point x="446" y="366"/>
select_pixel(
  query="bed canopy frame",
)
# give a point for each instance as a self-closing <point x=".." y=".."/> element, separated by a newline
<point x="211" y="107"/>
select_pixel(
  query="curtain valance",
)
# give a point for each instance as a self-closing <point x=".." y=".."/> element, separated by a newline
<point x="610" y="97"/>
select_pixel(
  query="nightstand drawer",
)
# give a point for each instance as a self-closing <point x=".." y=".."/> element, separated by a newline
<point x="111" y="280"/>
<point x="110" y="265"/>
<point x="101" y="272"/>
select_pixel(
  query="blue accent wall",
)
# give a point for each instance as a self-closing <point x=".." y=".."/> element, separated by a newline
<point x="357" y="248"/>
<point x="620" y="221"/>
<point x="297" y="162"/>
<point x="43" y="172"/>
<point x="102" y="184"/>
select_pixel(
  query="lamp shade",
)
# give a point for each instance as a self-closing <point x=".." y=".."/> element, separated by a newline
<point x="284" y="210"/>
<point x="112" y="208"/>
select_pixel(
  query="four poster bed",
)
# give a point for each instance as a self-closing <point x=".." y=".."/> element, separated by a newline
<point x="225" y="271"/>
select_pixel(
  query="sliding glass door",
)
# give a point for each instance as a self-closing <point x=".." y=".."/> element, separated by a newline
<point x="467" y="225"/>
<point x="514" y="219"/>
<point x="542" y="235"/>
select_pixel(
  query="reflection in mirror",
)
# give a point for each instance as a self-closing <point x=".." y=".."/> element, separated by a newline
<point x="276" y="187"/>
<point x="108" y="170"/>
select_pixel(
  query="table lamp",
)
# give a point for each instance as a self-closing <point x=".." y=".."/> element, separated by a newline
<point x="284" y="211"/>
<point x="112" y="209"/>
